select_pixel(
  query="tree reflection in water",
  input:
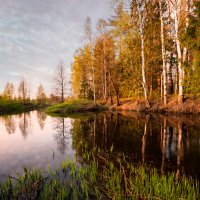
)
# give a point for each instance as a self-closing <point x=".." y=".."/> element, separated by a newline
<point x="144" y="137"/>
<point x="172" y="144"/>
<point x="167" y="143"/>
<point x="62" y="127"/>
<point x="157" y="141"/>
<point x="25" y="124"/>
<point x="179" y="149"/>
<point x="10" y="125"/>
<point x="41" y="115"/>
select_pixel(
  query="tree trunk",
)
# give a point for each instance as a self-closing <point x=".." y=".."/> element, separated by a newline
<point x="143" y="72"/>
<point x="161" y="86"/>
<point x="170" y="87"/>
<point x="141" y="14"/>
<point x="62" y="95"/>
<point x="93" y="80"/>
<point x="114" y="87"/>
<point x="104" y="67"/>
<point x="169" y="65"/>
<point x="185" y="50"/>
<point x="163" y="55"/>
<point x="178" y="45"/>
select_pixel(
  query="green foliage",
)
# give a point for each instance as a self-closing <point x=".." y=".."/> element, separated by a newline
<point x="192" y="40"/>
<point x="15" y="106"/>
<point x="116" y="53"/>
<point x="81" y="74"/>
<point x="114" y="178"/>
<point x="75" y="106"/>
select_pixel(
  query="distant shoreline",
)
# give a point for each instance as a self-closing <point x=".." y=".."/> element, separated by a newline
<point x="17" y="107"/>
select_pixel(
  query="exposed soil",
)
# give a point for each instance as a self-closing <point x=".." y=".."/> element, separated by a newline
<point x="189" y="106"/>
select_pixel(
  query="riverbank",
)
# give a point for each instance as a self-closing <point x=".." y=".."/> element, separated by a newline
<point x="189" y="106"/>
<point x="106" y="177"/>
<point x="75" y="107"/>
<point x="16" y="107"/>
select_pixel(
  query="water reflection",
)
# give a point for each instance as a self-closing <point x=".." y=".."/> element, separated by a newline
<point x="25" y="124"/>
<point x="62" y="128"/>
<point x="10" y="124"/>
<point x="144" y="137"/>
<point x="41" y="118"/>
<point x="179" y="149"/>
<point x="167" y="143"/>
<point x="44" y="136"/>
<point x="158" y="141"/>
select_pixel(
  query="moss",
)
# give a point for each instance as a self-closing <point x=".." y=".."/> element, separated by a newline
<point x="75" y="106"/>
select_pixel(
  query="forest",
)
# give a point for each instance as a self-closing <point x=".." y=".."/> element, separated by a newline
<point x="147" y="49"/>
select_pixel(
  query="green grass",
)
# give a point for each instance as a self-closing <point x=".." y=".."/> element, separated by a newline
<point x="16" y="107"/>
<point x="75" y="106"/>
<point x="105" y="177"/>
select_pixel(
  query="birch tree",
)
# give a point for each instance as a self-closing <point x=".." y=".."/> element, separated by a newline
<point x="101" y="27"/>
<point x="164" y="74"/>
<point x="177" y="14"/>
<point x="88" y="35"/>
<point x="185" y="49"/>
<point x="140" y="7"/>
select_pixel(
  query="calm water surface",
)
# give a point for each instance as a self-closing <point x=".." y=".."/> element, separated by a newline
<point x="35" y="140"/>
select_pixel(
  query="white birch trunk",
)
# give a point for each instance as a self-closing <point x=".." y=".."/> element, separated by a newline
<point x="163" y="55"/>
<point x="143" y="72"/>
<point x="177" y="10"/>
<point x="141" y="31"/>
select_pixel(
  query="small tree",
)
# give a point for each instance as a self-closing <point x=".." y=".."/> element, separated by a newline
<point x="41" y="96"/>
<point x="60" y="81"/>
<point x="8" y="91"/>
<point x="23" y="90"/>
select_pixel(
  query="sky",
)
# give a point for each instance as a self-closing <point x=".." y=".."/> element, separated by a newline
<point x="35" y="35"/>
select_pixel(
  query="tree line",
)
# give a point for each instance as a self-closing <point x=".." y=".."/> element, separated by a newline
<point x="23" y="91"/>
<point x="148" y="48"/>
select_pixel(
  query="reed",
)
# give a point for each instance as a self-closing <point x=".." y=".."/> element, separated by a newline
<point x="102" y="176"/>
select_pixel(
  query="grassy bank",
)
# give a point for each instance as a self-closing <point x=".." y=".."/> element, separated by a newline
<point x="103" y="178"/>
<point x="16" y="107"/>
<point x="75" y="106"/>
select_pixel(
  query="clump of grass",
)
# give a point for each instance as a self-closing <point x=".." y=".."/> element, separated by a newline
<point x="26" y="186"/>
<point x="75" y="106"/>
<point x="69" y="182"/>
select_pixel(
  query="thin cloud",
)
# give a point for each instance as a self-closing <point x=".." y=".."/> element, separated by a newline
<point x="35" y="35"/>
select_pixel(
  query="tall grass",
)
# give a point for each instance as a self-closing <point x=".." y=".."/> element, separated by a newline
<point x="104" y="177"/>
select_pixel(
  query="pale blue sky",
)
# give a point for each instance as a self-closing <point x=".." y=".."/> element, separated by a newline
<point x="36" y="34"/>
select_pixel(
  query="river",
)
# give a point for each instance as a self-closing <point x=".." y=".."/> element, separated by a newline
<point x="35" y="140"/>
